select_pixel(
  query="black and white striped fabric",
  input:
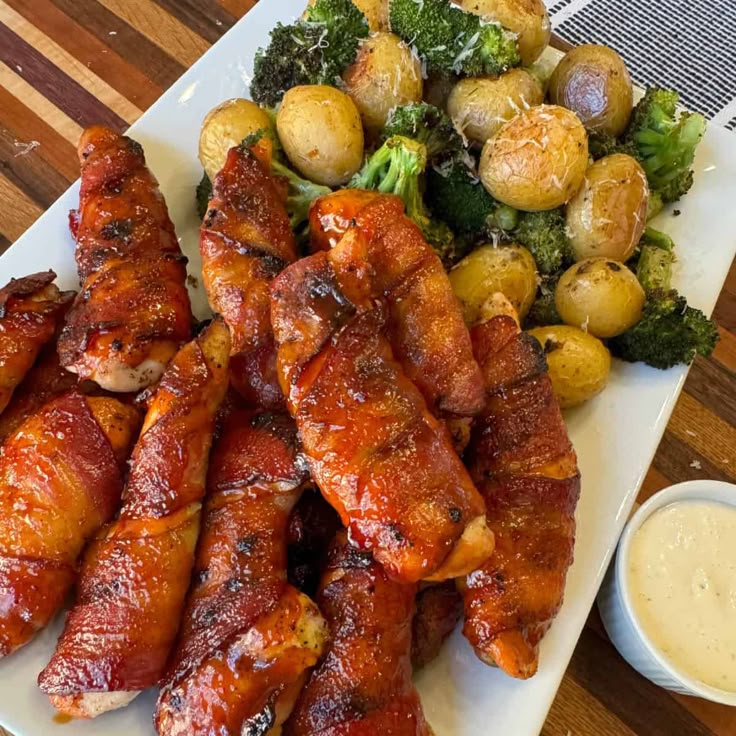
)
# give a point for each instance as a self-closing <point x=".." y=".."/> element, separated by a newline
<point x="688" y="45"/>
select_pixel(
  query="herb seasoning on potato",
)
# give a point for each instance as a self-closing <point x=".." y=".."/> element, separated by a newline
<point x="480" y="106"/>
<point x="609" y="213"/>
<point x="537" y="160"/>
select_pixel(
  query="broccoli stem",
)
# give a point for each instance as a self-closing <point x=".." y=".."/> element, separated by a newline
<point x="396" y="168"/>
<point x="656" y="257"/>
<point x="301" y="194"/>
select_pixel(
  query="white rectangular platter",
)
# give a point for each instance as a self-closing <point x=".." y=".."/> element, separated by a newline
<point x="615" y="435"/>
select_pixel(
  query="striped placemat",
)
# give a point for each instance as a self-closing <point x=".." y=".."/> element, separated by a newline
<point x="688" y="45"/>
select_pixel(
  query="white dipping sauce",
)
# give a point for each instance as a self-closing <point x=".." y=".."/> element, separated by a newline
<point x="682" y="583"/>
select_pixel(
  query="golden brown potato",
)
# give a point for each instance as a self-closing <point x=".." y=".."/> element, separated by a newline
<point x="375" y="11"/>
<point x="480" y="106"/>
<point x="601" y="296"/>
<point x="537" y="160"/>
<point x="508" y="269"/>
<point x="608" y="214"/>
<point x="385" y="74"/>
<point x="593" y="81"/>
<point x="527" y="18"/>
<point x="321" y="133"/>
<point x="579" y="364"/>
<point x="224" y="127"/>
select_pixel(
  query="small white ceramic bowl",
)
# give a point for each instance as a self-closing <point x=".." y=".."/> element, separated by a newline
<point x="616" y="608"/>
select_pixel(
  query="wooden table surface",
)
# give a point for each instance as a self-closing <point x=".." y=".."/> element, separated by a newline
<point x="65" y="64"/>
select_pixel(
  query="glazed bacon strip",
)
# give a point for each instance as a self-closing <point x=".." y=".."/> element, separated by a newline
<point x="364" y="684"/>
<point x="330" y="217"/>
<point x="46" y="380"/>
<point x="245" y="241"/>
<point x="31" y="308"/>
<point x="61" y="476"/>
<point x="136" y="573"/>
<point x="248" y="638"/>
<point x="132" y="313"/>
<point x="426" y="327"/>
<point x="438" y="610"/>
<point x="525" y="467"/>
<point x="379" y="456"/>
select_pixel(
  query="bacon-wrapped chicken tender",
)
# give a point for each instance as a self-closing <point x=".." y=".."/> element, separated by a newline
<point x="364" y="684"/>
<point x="379" y="456"/>
<point x="61" y="476"/>
<point x="31" y="308"/>
<point x="248" y="638"/>
<point x="132" y="313"/>
<point x="135" y="574"/>
<point x="245" y="241"/>
<point x="525" y="467"/>
<point x="426" y="327"/>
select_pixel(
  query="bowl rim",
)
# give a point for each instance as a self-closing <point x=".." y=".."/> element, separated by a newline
<point x="692" y="490"/>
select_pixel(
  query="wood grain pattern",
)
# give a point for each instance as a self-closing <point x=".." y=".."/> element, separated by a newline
<point x="67" y="63"/>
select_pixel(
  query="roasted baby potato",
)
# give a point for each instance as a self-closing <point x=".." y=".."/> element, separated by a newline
<point x="508" y="269"/>
<point x="578" y="363"/>
<point x="601" y="296"/>
<point x="608" y="214"/>
<point x="321" y="133"/>
<point x="480" y="106"/>
<point x="224" y="127"/>
<point x="537" y="160"/>
<point x="386" y="73"/>
<point x="375" y="11"/>
<point x="527" y="18"/>
<point x="593" y="82"/>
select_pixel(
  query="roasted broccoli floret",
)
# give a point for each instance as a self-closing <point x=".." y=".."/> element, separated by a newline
<point x="315" y="50"/>
<point x="453" y="41"/>
<point x="345" y="25"/>
<point x="426" y="124"/>
<point x="396" y="168"/>
<point x="656" y="256"/>
<point x="665" y="142"/>
<point x="669" y="333"/>
<point x="545" y="236"/>
<point x="543" y="311"/>
<point x="204" y="194"/>
<point x="604" y="144"/>
<point x="456" y="196"/>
